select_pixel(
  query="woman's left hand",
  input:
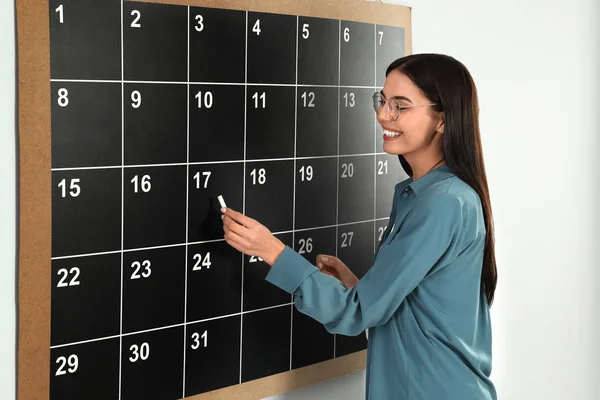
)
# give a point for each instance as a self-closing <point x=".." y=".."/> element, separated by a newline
<point x="250" y="236"/>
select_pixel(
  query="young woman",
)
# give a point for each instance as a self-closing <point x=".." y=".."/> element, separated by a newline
<point x="426" y="298"/>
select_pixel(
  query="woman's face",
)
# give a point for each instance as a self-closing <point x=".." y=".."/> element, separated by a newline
<point x="416" y="127"/>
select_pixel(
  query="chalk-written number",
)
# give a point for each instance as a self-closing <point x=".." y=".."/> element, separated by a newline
<point x="74" y="272"/>
<point x="145" y="273"/>
<point x="381" y="230"/>
<point x="139" y="352"/>
<point x="75" y="188"/>
<point x="196" y="337"/>
<point x="262" y="176"/>
<point x="72" y="361"/>
<point x="347" y="170"/>
<point x="306" y="173"/>
<point x="144" y="183"/>
<point x="306" y="246"/>
<point x="201" y="262"/>
<point x="136" y="20"/>
<point x="383" y="166"/>
<point x="60" y="11"/>
<point x="347" y="239"/>
<point x="206" y="174"/>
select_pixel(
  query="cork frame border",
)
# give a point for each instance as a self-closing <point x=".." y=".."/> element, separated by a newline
<point x="34" y="185"/>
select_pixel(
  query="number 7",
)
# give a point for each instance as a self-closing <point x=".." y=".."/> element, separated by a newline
<point x="380" y="37"/>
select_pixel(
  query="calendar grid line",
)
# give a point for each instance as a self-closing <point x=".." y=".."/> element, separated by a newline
<point x="142" y="82"/>
<point x="244" y="189"/>
<point x="175" y="164"/>
<point x="161" y="328"/>
<point x="122" y="196"/>
<point x="375" y="148"/>
<point x="206" y="241"/>
<point x="374" y="158"/>
<point x="294" y="195"/>
<point x="187" y="203"/>
<point x="337" y="166"/>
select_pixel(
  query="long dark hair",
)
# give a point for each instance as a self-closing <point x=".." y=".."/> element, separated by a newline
<point x="447" y="82"/>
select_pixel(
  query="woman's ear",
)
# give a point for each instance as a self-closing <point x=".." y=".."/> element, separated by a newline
<point x="440" y="125"/>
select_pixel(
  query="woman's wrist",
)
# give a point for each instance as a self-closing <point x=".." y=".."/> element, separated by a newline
<point x="274" y="250"/>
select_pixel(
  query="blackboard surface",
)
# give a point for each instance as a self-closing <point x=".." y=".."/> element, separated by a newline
<point x="156" y="109"/>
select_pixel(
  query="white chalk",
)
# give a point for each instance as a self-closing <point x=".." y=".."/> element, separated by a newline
<point x="221" y="201"/>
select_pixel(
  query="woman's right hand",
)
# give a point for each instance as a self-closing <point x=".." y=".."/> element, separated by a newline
<point x="333" y="266"/>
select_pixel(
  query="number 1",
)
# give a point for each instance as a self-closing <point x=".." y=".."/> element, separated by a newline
<point x="59" y="10"/>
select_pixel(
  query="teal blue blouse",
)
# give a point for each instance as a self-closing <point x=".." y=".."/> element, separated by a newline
<point x="428" y="320"/>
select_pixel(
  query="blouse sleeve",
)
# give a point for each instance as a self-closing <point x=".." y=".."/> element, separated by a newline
<point x="428" y="239"/>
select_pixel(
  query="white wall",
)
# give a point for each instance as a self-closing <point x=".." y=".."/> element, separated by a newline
<point x="535" y="63"/>
<point x="7" y="200"/>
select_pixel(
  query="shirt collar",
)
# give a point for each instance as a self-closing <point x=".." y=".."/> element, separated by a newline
<point x="433" y="176"/>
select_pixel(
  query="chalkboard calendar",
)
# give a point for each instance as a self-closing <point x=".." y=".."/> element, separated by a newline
<point x="156" y="109"/>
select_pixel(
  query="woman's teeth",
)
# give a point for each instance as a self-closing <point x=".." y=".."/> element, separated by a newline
<point x="390" y="133"/>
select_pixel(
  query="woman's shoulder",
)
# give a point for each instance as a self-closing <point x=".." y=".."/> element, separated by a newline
<point x="452" y="190"/>
<point x="453" y="195"/>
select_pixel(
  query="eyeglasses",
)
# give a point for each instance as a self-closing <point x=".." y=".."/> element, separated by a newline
<point x="393" y="105"/>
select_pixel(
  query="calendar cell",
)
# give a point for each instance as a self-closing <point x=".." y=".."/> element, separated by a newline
<point x="86" y="39"/>
<point x="356" y="246"/>
<point x="211" y="31"/>
<point x="389" y="173"/>
<point x="155" y="41"/>
<point x="155" y="123"/>
<point x="312" y="242"/>
<point x="259" y="293"/>
<point x="390" y="45"/>
<point x="216" y="123"/>
<point x="212" y="355"/>
<point x="214" y="280"/>
<point x="311" y="343"/>
<point x="270" y="193"/>
<point x="316" y="192"/>
<point x="266" y="342"/>
<point x="271" y="49"/>
<point x="86" y="211"/>
<point x="85" y="371"/>
<point x="152" y="365"/>
<point x="86" y="124"/>
<point x="270" y="123"/>
<point x="317" y="125"/>
<point x="357" y="121"/>
<point x="378" y="135"/>
<point x="355" y="249"/>
<point x="86" y="298"/>
<point x="357" y="54"/>
<point x="318" y="51"/>
<point x="154" y="206"/>
<point x="206" y="183"/>
<point x="356" y="189"/>
<point x="153" y="288"/>
<point x="345" y="345"/>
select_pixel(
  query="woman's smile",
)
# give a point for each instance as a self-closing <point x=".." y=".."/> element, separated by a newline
<point x="391" y="135"/>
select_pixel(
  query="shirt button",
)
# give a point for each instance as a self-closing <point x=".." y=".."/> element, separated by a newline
<point x="405" y="194"/>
